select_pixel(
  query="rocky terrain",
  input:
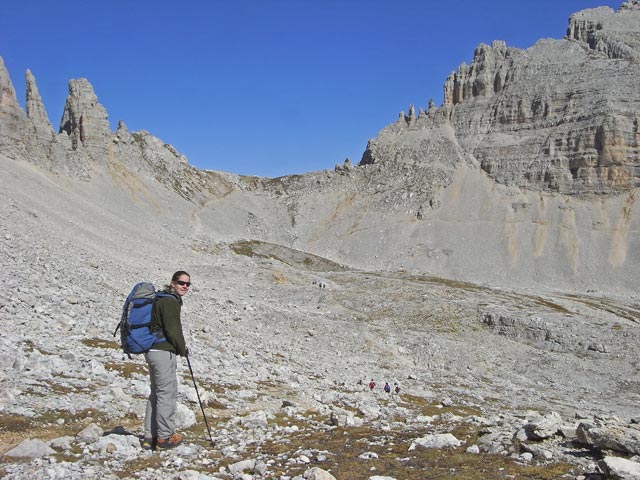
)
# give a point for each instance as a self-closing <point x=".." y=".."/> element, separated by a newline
<point x="482" y="255"/>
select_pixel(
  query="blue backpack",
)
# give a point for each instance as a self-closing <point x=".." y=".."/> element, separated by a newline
<point x="135" y="334"/>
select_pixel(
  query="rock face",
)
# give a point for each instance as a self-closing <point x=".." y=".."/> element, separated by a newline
<point x="85" y="146"/>
<point x="35" y="108"/>
<point x="84" y="119"/>
<point x="560" y="116"/>
<point x="12" y="118"/>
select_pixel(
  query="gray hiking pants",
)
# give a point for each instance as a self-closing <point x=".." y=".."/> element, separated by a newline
<point x="159" y="419"/>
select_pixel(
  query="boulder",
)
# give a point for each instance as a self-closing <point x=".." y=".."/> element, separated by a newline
<point x="90" y="434"/>
<point x="620" y="468"/>
<point x="317" y="473"/>
<point x="184" y="416"/>
<point x="617" y="437"/>
<point x="543" y="427"/>
<point x="437" y="440"/>
<point x="30" y="449"/>
<point x="242" y="466"/>
<point x="344" y="418"/>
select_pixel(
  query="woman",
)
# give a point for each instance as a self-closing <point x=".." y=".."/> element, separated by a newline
<point x="159" y="420"/>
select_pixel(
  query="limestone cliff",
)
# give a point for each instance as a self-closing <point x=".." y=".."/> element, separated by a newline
<point x="12" y="118"/>
<point x="35" y="108"/>
<point x="560" y="116"/>
<point x="85" y="120"/>
<point x="85" y="146"/>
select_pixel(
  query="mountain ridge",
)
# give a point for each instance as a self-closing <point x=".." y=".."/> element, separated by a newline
<point x="549" y="171"/>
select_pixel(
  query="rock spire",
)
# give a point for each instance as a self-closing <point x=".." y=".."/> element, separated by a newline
<point x="12" y="117"/>
<point x="35" y="108"/>
<point x="8" y="99"/>
<point x="84" y="119"/>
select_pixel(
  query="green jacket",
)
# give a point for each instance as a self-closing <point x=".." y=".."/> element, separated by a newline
<point x="165" y="316"/>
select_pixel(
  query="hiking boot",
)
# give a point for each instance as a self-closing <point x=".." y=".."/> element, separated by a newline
<point x="149" y="443"/>
<point x="172" y="442"/>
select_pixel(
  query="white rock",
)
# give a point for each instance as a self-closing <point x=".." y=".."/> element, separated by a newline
<point x="424" y="419"/>
<point x="63" y="443"/>
<point x="255" y="420"/>
<point x="184" y="416"/>
<point x="473" y="449"/>
<point x="370" y="412"/>
<point x="527" y="457"/>
<point x="30" y="449"/>
<point x="192" y="395"/>
<point x="544" y="427"/>
<point x="621" y="468"/>
<point x="121" y="444"/>
<point x="7" y="396"/>
<point x="344" y="418"/>
<point x="368" y="455"/>
<point x="90" y="434"/>
<point x="192" y="475"/>
<point x="438" y="440"/>
<point x="240" y="467"/>
<point x="316" y="473"/>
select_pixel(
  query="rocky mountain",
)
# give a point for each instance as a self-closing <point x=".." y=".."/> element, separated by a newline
<point x="483" y="255"/>
<point x="561" y="116"/>
<point x="535" y="151"/>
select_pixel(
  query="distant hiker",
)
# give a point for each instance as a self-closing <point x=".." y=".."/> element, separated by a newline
<point x="387" y="387"/>
<point x="396" y="388"/>
<point x="159" y="420"/>
<point x="372" y="384"/>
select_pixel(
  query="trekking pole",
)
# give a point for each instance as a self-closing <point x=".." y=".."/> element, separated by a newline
<point x="200" y="402"/>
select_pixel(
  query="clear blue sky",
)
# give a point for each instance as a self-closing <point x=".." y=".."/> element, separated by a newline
<point x="262" y="87"/>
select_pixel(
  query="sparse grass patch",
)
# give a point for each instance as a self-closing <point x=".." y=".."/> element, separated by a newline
<point x="49" y="417"/>
<point x="10" y="422"/>
<point x="215" y="404"/>
<point x="132" y="468"/>
<point x="29" y="346"/>
<point x="431" y="408"/>
<point x="283" y="420"/>
<point x="61" y="389"/>
<point x="219" y="389"/>
<point x="244" y="248"/>
<point x="70" y="457"/>
<point x="279" y="277"/>
<point x="272" y="388"/>
<point x="100" y="343"/>
<point x="46" y="426"/>
<point x="344" y="445"/>
<point x="127" y="369"/>
<point x="249" y="248"/>
<point x="441" y="320"/>
<point x="550" y="305"/>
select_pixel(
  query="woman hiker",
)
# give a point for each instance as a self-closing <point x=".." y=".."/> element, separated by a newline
<point x="159" y="420"/>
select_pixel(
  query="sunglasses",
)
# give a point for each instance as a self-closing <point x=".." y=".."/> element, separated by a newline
<point x="182" y="283"/>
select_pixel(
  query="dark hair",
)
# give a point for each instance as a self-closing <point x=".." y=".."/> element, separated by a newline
<point x="178" y="274"/>
<point x="174" y="277"/>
